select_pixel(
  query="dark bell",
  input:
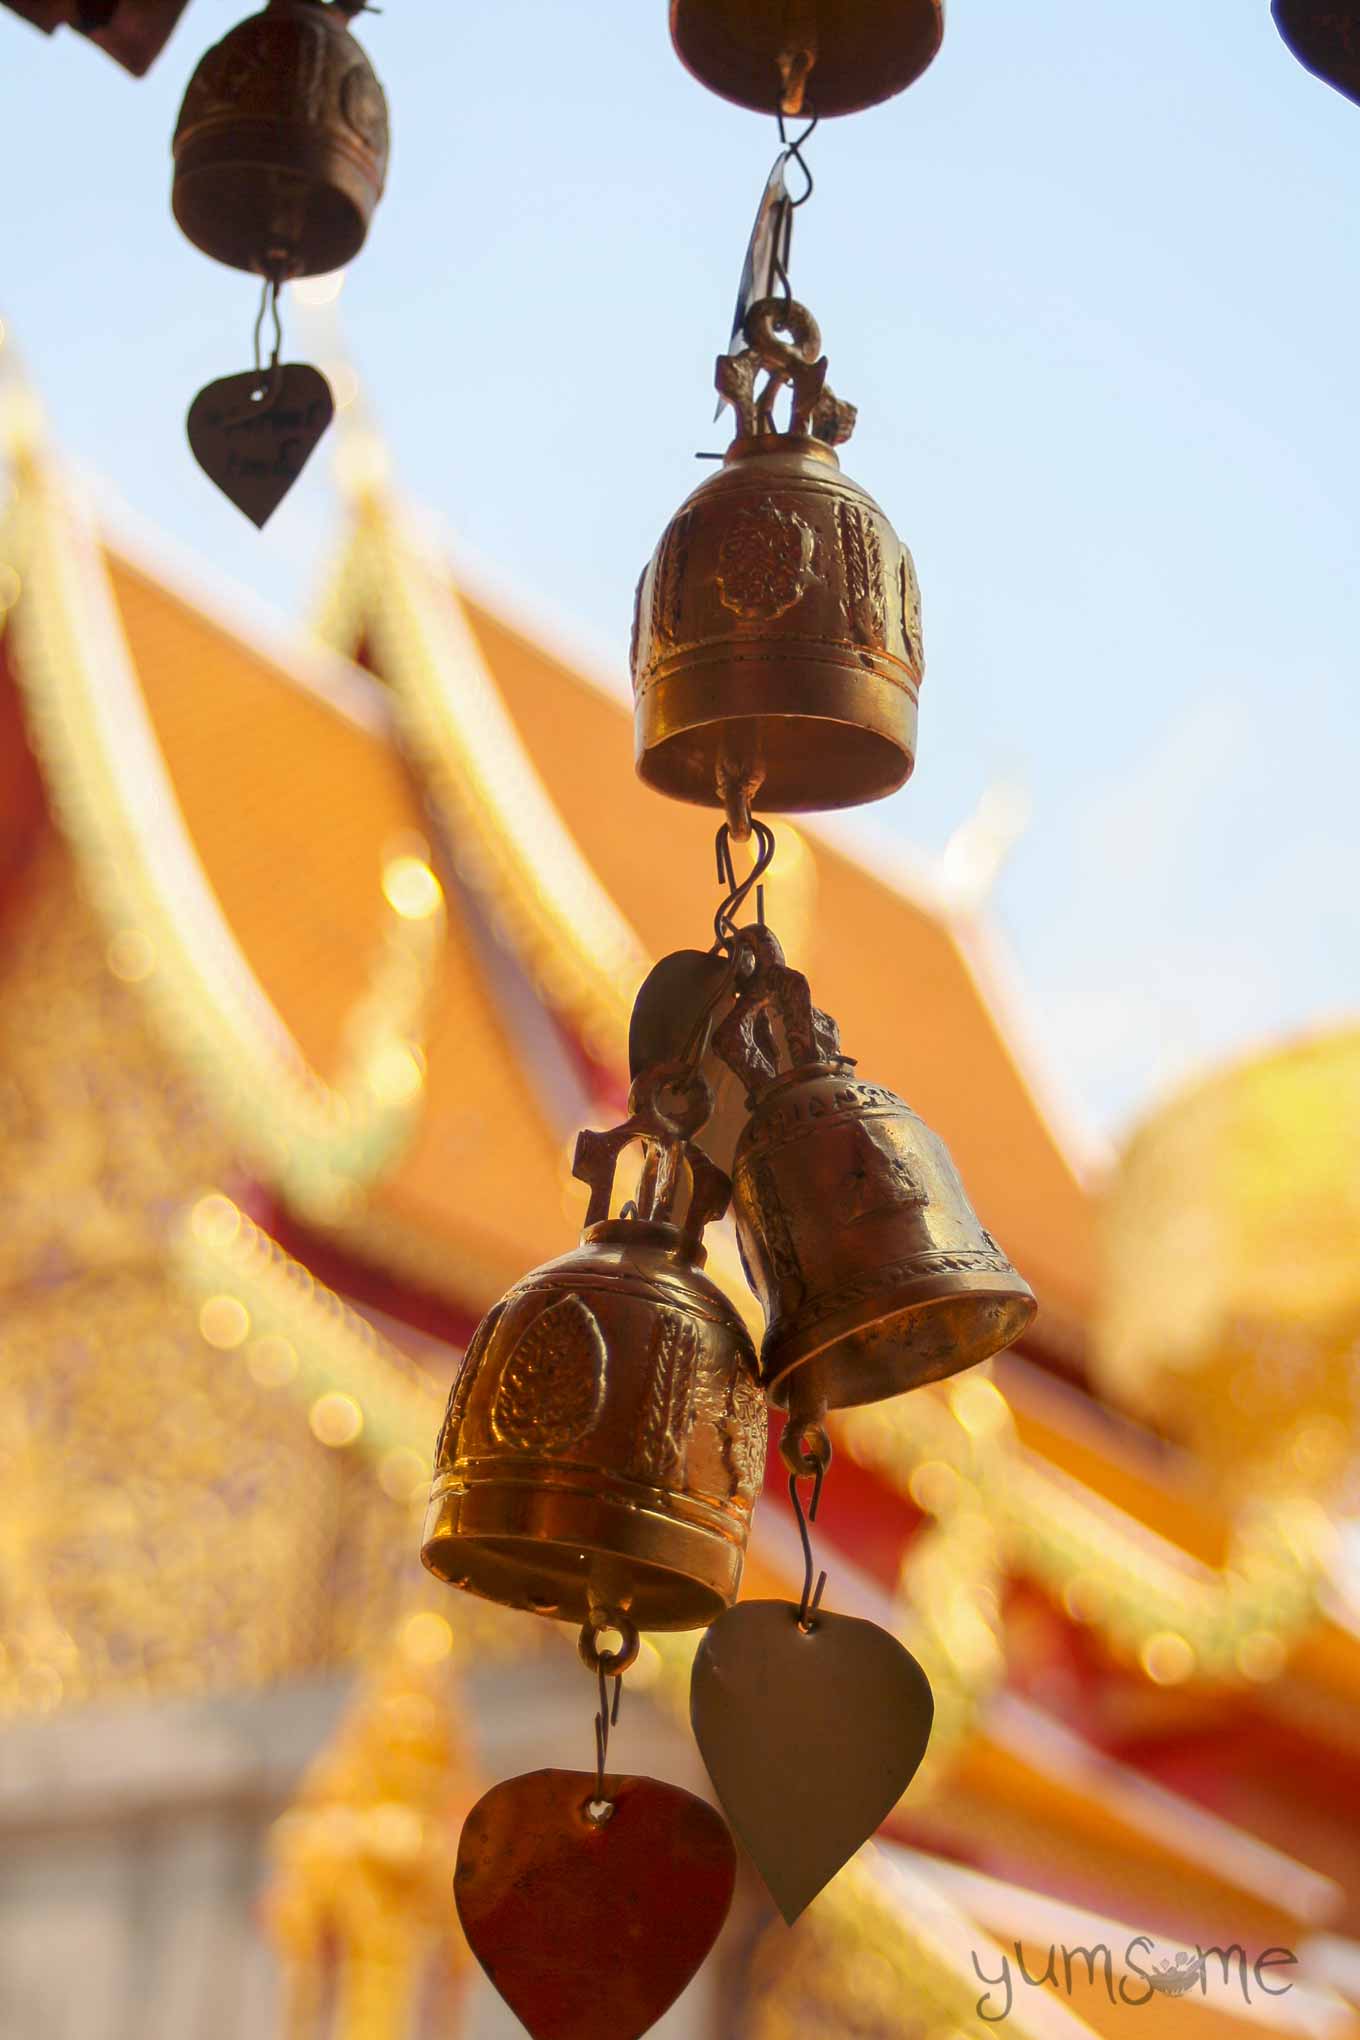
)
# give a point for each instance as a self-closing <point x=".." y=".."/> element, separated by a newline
<point x="281" y="144"/>
<point x="872" y="1268"/>
<point x="1325" y="37"/>
<point x="807" y="56"/>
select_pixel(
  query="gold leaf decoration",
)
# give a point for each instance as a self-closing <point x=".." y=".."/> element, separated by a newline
<point x="553" y="1385"/>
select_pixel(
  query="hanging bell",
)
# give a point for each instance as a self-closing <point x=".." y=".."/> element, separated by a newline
<point x="855" y="1232"/>
<point x="605" y="1436"/>
<point x="281" y="145"/>
<point x="777" y="635"/>
<point x="1325" y="37"/>
<point x="807" y="56"/>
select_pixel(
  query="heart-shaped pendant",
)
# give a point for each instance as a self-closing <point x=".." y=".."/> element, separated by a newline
<point x="591" y="1925"/>
<point x="810" y="1737"/>
<point x="670" y="1004"/>
<point x="254" y="433"/>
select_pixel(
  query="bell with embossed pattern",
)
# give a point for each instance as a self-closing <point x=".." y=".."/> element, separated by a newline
<point x="777" y="637"/>
<point x="857" y="1236"/>
<point x="605" y="1436"/>
<point x="281" y="144"/>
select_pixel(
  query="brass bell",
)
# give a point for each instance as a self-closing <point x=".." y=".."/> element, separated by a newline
<point x="281" y="144"/>
<point x="605" y="1436"/>
<point x="814" y="56"/>
<point x="855" y="1232"/>
<point x="777" y="635"/>
<point x="1325" y="37"/>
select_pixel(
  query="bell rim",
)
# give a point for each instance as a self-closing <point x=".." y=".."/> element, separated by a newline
<point x="487" y="1529"/>
<point x="732" y="74"/>
<point x="785" y="1354"/>
<point x="679" y="756"/>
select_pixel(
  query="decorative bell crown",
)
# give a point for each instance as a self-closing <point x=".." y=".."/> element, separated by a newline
<point x="281" y="144"/>
<point x="605" y="1436"/>
<point x="856" y="1234"/>
<point x="777" y="635"/>
<point x="824" y="56"/>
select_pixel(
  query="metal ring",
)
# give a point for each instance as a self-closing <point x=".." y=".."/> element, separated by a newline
<point x="805" y="1449"/>
<point x="613" y="1663"/>
<point x="676" y="1094"/>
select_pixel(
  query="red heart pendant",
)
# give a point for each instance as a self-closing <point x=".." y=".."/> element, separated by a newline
<point x="254" y="433"/>
<point x="584" y="1925"/>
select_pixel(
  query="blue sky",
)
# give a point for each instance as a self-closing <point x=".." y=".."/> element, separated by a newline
<point x="1094" y="285"/>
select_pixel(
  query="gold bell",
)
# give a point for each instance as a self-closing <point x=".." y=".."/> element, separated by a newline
<point x="605" y="1436"/>
<point x="855" y="1232"/>
<point x="777" y="635"/>
<point x="816" y="56"/>
<point x="281" y="144"/>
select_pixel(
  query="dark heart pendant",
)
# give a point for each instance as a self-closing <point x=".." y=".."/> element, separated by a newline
<point x="670" y="1004"/>
<point x="253" y="434"/>
<point x="810" y="1737"/>
<point x="590" y="1926"/>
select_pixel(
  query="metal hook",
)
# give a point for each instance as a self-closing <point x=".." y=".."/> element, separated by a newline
<point x="724" y="921"/>
<point x="812" y="1597"/>
<point x="266" y="395"/>
<point x="781" y="248"/>
<point x="793" y="151"/>
<point x="607" y="1718"/>
<point x="269" y="301"/>
<point x="606" y="1664"/>
<point x="805" y="1450"/>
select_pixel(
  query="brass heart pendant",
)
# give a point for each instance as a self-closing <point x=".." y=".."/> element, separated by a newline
<point x="591" y="1925"/>
<point x="810" y="1737"/>
<point x="254" y="433"/>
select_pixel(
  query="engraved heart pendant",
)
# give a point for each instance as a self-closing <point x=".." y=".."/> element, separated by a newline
<point x="254" y="433"/>
<point x="811" y="1736"/>
<point x="590" y="1916"/>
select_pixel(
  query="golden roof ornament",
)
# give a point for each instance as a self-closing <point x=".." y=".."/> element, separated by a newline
<point x="777" y="637"/>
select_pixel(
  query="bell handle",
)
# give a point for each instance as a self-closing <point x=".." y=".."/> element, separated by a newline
<point x="746" y="1041"/>
<point x="667" y="1164"/>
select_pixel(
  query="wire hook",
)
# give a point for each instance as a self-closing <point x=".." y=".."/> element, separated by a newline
<point x="805" y="1450"/>
<point x="724" y="921"/>
<point x="607" y="1718"/>
<point x="812" y="1596"/>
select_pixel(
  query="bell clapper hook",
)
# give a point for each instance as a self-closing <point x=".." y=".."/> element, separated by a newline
<point x="725" y="930"/>
<point x="606" y="1664"/>
<point x="266" y="393"/>
<point x="805" y="1449"/>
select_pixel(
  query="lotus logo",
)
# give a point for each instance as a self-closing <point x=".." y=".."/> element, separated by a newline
<point x="1173" y="1979"/>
